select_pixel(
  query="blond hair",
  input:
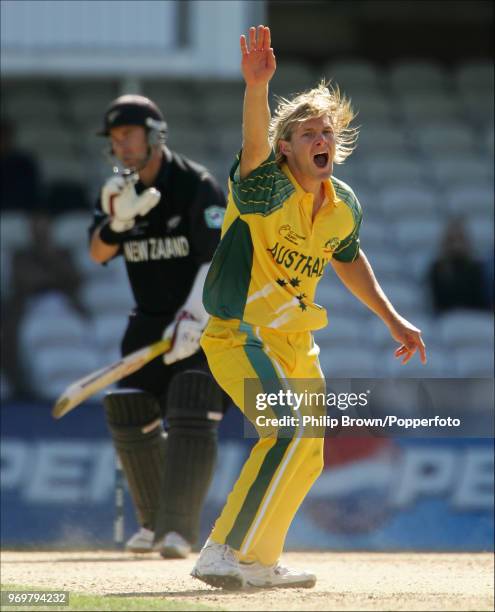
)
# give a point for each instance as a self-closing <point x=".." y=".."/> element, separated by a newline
<point x="325" y="99"/>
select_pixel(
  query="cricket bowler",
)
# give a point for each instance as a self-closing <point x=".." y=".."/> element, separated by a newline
<point x="287" y="217"/>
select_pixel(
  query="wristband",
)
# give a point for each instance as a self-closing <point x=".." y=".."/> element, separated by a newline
<point x="108" y="236"/>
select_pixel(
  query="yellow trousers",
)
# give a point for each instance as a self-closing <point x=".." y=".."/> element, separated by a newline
<point x="280" y="469"/>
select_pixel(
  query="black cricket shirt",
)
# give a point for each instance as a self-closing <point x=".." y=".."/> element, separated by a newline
<point x="166" y="247"/>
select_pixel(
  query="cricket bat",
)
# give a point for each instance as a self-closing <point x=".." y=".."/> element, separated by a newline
<point x="80" y="390"/>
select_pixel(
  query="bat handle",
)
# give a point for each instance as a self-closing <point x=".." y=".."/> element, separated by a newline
<point x="118" y="522"/>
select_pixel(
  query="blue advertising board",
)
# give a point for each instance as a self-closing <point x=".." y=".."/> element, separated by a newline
<point x="57" y="487"/>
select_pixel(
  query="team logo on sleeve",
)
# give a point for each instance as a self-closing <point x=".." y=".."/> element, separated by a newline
<point x="331" y="245"/>
<point x="214" y="217"/>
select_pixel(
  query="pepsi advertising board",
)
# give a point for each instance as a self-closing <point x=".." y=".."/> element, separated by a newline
<point x="375" y="493"/>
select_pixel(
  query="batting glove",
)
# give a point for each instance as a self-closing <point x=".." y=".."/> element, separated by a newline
<point x="185" y="334"/>
<point x="120" y="201"/>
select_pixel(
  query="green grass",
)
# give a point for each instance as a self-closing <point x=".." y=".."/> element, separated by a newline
<point x="101" y="602"/>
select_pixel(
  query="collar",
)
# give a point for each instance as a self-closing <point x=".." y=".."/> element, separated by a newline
<point x="163" y="175"/>
<point x="164" y="172"/>
<point x="305" y="196"/>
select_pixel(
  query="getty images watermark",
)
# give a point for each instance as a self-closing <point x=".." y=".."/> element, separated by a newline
<point x="377" y="407"/>
<point x="341" y="401"/>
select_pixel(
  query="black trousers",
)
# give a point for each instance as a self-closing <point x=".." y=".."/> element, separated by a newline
<point x="155" y="376"/>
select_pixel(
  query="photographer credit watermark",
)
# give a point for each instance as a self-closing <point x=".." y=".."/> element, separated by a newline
<point x="369" y="407"/>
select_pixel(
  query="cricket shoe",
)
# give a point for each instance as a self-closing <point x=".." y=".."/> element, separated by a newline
<point x="218" y="566"/>
<point x="141" y="541"/>
<point x="173" y="546"/>
<point x="276" y="576"/>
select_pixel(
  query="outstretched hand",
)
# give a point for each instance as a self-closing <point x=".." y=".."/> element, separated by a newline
<point x="258" y="60"/>
<point x="410" y="338"/>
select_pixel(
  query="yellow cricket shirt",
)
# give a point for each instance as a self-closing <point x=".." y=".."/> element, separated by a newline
<point x="272" y="255"/>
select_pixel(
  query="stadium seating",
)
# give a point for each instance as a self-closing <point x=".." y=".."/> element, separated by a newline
<point x="471" y="198"/>
<point x="374" y="232"/>
<point x="56" y="343"/>
<point x="372" y="107"/>
<point x="474" y="362"/>
<point x="103" y="297"/>
<point x="58" y="367"/>
<point x="465" y="328"/>
<point x="411" y="77"/>
<point x="349" y="362"/>
<point x="292" y="77"/>
<point x="354" y="75"/>
<point x="406" y="296"/>
<point x="70" y="230"/>
<point x="382" y="138"/>
<point x="222" y="104"/>
<point x="417" y="233"/>
<point x="440" y="138"/>
<point x="477" y="107"/>
<point x="51" y="321"/>
<point x="108" y="331"/>
<point x="399" y="202"/>
<point x="14" y="230"/>
<point x="386" y="265"/>
<point x="390" y="170"/>
<point x="475" y="76"/>
<point x="423" y="107"/>
<point x="425" y="153"/>
<point x="332" y="295"/>
<point x="480" y="229"/>
<point x="17" y="102"/>
<point x="341" y="331"/>
<point x="459" y="169"/>
<point x="5" y="390"/>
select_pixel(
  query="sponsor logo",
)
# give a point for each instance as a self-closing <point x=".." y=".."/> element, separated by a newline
<point x="214" y="217"/>
<point x="289" y="234"/>
<point x="368" y="482"/>
<point x="65" y="472"/>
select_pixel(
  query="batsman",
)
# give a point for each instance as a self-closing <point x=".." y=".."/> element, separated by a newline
<point x="162" y="213"/>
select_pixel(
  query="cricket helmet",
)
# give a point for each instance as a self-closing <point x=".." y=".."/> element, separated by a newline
<point x="133" y="109"/>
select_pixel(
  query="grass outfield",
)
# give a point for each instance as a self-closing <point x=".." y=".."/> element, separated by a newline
<point x="104" y="602"/>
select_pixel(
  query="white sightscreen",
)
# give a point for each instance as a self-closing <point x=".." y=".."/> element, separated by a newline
<point x="121" y="37"/>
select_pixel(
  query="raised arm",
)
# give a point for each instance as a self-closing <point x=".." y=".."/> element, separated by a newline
<point x="258" y="66"/>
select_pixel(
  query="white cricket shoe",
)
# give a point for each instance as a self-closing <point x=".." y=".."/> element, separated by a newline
<point x="173" y="546"/>
<point x="271" y="576"/>
<point x="141" y="541"/>
<point x="218" y="566"/>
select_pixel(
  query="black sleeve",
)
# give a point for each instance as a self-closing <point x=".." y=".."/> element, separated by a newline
<point x="206" y="216"/>
<point x="99" y="218"/>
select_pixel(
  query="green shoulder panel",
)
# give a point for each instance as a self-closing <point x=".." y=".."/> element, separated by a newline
<point x="349" y="248"/>
<point x="263" y="191"/>
<point x="227" y="283"/>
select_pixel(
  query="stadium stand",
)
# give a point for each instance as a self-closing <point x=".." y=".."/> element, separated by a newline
<point x="425" y="154"/>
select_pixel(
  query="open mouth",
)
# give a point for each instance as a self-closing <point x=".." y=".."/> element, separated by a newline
<point x="321" y="159"/>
